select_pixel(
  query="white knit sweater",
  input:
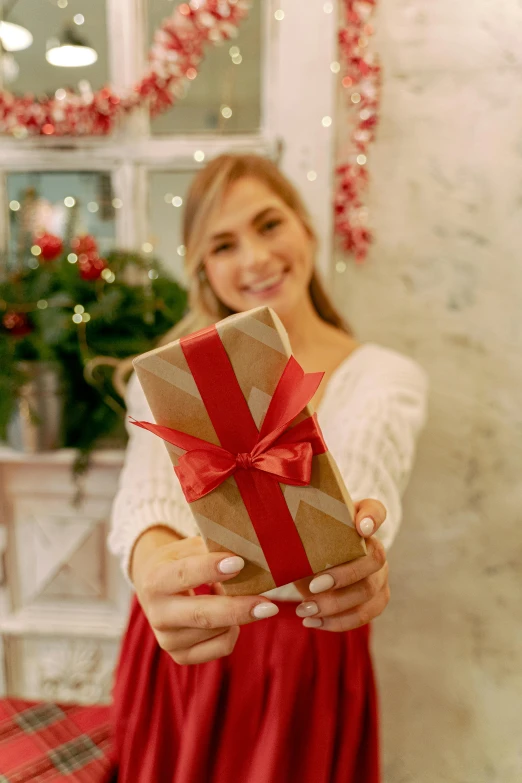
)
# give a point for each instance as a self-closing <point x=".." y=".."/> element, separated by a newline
<point x="371" y="413"/>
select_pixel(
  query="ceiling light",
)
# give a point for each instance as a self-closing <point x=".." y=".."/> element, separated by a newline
<point x="14" y="37"/>
<point x="70" y="51"/>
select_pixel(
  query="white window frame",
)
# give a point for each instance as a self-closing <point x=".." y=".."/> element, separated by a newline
<point x="298" y="90"/>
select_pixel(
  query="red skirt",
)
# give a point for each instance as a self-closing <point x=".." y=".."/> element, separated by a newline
<point x="289" y="705"/>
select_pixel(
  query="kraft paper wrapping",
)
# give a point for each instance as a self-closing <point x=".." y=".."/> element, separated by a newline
<point x="258" y="348"/>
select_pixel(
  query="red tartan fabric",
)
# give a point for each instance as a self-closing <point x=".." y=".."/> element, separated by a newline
<point x="49" y="742"/>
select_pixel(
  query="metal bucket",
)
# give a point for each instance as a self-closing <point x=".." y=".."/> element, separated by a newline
<point x="37" y="422"/>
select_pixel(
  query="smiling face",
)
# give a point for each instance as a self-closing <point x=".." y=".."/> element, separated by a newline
<point x="257" y="250"/>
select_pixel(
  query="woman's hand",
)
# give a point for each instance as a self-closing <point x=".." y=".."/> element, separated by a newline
<point x="191" y="628"/>
<point x="350" y="595"/>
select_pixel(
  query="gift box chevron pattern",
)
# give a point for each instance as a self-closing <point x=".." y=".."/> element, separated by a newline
<point x="258" y="348"/>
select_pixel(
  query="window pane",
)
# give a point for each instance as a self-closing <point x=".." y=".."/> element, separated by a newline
<point x="166" y="189"/>
<point x="225" y="96"/>
<point x="27" y="70"/>
<point x="62" y="203"/>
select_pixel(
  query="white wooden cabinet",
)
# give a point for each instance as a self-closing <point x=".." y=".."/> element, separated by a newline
<point x="64" y="602"/>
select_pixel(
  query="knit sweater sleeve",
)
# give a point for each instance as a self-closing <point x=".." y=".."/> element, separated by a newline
<point x="149" y="492"/>
<point x="374" y="416"/>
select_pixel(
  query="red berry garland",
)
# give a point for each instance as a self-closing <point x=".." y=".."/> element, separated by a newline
<point x="50" y="247"/>
<point x="17" y="324"/>
<point x="361" y="82"/>
<point x="176" y="51"/>
<point x="84" y="244"/>
<point x="91" y="266"/>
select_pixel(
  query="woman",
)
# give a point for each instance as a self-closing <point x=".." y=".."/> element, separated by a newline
<point x="281" y="688"/>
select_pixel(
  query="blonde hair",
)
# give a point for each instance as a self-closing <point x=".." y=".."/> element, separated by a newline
<point x="204" y="198"/>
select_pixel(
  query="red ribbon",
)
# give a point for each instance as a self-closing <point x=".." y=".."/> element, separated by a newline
<point x="259" y="460"/>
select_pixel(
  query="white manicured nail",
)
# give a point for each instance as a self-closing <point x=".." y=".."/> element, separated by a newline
<point x="262" y="611"/>
<point x="312" y="622"/>
<point x="367" y="526"/>
<point x="230" y="565"/>
<point x="306" y="609"/>
<point x="321" y="583"/>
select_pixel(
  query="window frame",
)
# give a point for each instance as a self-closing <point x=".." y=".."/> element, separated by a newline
<point x="298" y="89"/>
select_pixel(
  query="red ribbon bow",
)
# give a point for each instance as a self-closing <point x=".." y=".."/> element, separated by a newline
<point x="285" y="454"/>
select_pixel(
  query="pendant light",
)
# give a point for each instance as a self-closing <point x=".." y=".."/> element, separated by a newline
<point x="70" y="50"/>
<point x="14" y="37"/>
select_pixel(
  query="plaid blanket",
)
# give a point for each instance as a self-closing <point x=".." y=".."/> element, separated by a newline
<point x="50" y="742"/>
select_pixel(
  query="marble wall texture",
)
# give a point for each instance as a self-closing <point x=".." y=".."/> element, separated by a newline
<point x="444" y="284"/>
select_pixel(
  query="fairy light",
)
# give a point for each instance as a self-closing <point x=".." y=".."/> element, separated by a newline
<point x="311" y="176"/>
<point x="77" y="318"/>
<point x="226" y="112"/>
<point x="117" y="203"/>
<point x="62" y="3"/>
<point x="361" y="159"/>
<point x="234" y="51"/>
<point x="335" y="67"/>
<point x="60" y="94"/>
<point x="237" y="60"/>
<point x="86" y="317"/>
<point x="199" y="156"/>
<point x="33" y="263"/>
<point x="326" y="122"/>
<point x="279" y="15"/>
<point x="356" y="98"/>
<point x="177" y="201"/>
<point x="153" y="275"/>
<point x="191" y="74"/>
<point x="108" y="275"/>
<point x="340" y="267"/>
<point x="14" y="206"/>
<point x="181" y="250"/>
<point x="36" y="250"/>
<point x="147" y="247"/>
<point x="69" y="201"/>
<point x="167" y="198"/>
<point x="79" y="19"/>
<point x="328" y="8"/>
<point x="79" y="308"/>
<point x="42" y="304"/>
<point x="72" y="258"/>
<point x="92" y="206"/>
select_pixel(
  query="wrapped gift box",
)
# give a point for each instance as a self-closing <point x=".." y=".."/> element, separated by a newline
<point x="231" y="404"/>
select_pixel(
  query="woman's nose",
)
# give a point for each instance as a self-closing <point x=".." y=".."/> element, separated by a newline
<point x="255" y="253"/>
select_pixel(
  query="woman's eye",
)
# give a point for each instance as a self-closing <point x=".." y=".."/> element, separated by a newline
<point x="271" y="224"/>
<point x="222" y="248"/>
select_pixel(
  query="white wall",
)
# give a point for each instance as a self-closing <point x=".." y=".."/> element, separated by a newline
<point x="444" y="284"/>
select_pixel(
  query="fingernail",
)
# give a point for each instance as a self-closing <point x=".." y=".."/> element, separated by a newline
<point x="312" y="622"/>
<point x="230" y="565"/>
<point x="306" y="609"/>
<point x="367" y="526"/>
<point x="262" y="611"/>
<point x="321" y="583"/>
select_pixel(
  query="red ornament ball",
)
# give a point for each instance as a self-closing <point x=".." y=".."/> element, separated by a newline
<point x="86" y="244"/>
<point x="17" y="324"/>
<point x="91" y="266"/>
<point x="50" y="245"/>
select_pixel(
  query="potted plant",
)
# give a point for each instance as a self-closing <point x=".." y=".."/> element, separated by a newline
<point x="61" y="308"/>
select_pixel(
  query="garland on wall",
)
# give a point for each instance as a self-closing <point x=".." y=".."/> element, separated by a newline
<point x="361" y="80"/>
<point x="175" y="55"/>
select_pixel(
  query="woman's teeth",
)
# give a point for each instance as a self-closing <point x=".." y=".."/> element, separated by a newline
<point x="270" y="282"/>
